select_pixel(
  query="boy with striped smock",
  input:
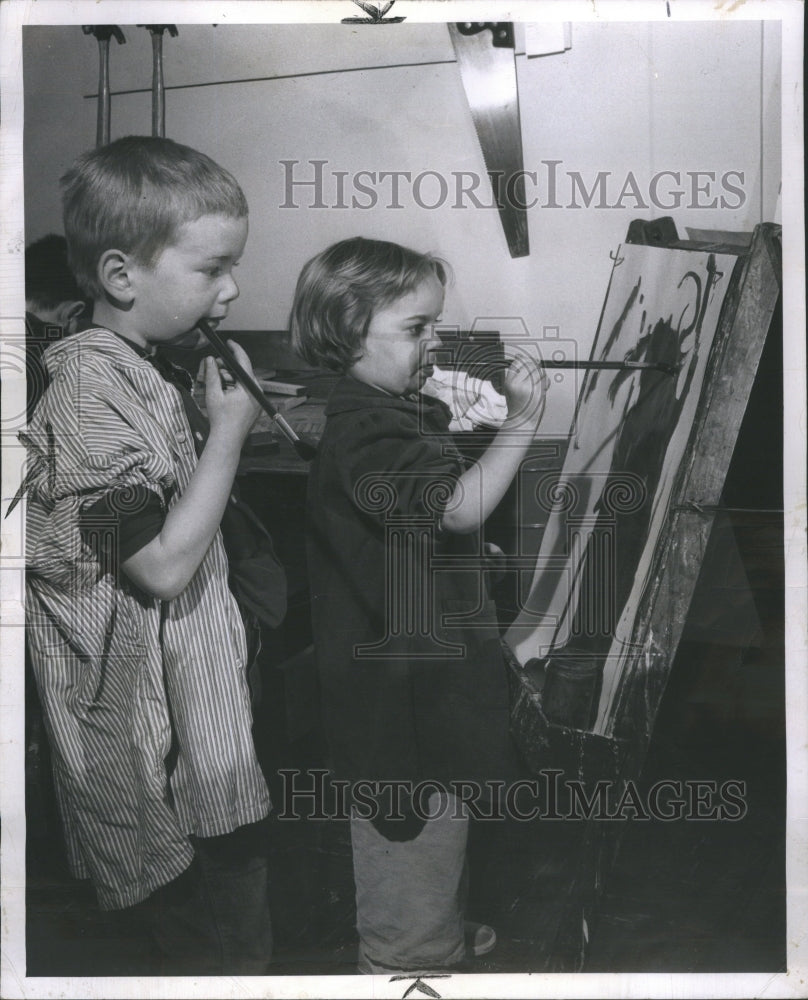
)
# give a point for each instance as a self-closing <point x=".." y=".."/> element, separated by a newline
<point x="137" y="644"/>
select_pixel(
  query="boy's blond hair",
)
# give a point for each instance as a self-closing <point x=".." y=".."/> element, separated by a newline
<point x="134" y="195"/>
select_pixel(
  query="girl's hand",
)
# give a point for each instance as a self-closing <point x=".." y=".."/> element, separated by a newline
<point x="496" y="562"/>
<point x="524" y="389"/>
<point x="231" y="409"/>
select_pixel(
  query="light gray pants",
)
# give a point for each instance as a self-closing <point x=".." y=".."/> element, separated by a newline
<point x="411" y="895"/>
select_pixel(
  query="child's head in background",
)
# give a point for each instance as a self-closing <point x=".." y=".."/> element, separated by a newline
<point x="366" y="308"/>
<point x="54" y="308"/>
<point x="153" y="229"/>
<point x="52" y="294"/>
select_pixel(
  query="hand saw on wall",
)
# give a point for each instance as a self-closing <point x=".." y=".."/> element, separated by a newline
<point x="488" y="71"/>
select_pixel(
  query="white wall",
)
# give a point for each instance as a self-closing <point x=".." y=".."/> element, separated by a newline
<point x="635" y="98"/>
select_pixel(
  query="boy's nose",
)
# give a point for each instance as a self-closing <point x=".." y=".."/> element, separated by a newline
<point x="230" y="289"/>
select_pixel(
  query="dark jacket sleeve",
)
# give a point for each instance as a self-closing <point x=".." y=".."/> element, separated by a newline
<point x="389" y="464"/>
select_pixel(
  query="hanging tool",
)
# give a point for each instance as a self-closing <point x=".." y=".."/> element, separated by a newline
<point x="488" y="71"/>
<point x="158" y="88"/>
<point x="222" y="351"/>
<point x="103" y="33"/>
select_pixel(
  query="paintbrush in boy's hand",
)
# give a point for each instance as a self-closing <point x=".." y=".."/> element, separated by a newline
<point x="223" y="352"/>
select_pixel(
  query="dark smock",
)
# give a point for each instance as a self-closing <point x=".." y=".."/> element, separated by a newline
<point x="385" y="469"/>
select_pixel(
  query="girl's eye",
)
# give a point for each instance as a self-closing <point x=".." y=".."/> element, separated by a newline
<point x="416" y="331"/>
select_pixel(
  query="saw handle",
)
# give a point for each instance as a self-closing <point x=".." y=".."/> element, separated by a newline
<point x="502" y="31"/>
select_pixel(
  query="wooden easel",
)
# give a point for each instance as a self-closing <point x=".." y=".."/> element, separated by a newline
<point x="614" y="749"/>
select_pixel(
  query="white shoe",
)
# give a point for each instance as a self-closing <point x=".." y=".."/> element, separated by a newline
<point x="480" y="938"/>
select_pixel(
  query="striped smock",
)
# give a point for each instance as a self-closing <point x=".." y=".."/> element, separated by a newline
<point x="145" y="701"/>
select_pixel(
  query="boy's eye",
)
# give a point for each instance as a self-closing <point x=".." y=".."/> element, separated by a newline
<point x="216" y="270"/>
<point x="416" y="331"/>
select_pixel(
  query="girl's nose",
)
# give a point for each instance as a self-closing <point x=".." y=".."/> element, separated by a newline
<point x="429" y="345"/>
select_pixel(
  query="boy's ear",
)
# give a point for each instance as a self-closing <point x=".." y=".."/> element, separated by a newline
<point x="114" y="274"/>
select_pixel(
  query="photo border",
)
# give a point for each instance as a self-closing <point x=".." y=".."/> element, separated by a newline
<point x="14" y="14"/>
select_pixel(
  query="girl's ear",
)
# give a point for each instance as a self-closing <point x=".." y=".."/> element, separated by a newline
<point x="114" y="274"/>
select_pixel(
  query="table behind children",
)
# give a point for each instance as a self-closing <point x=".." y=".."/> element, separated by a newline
<point x="137" y="643"/>
<point x="413" y="685"/>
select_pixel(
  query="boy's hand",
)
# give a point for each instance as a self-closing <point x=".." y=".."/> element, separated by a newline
<point x="230" y="407"/>
<point x="524" y="387"/>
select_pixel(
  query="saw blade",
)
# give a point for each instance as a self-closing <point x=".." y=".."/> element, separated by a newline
<point x="488" y="72"/>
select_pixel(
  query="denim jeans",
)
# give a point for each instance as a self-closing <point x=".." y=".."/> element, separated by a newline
<point x="214" y="919"/>
<point x="411" y="895"/>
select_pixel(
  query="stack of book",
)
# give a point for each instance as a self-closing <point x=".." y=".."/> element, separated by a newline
<point x="284" y="396"/>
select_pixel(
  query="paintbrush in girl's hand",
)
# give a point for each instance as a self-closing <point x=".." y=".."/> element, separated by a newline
<point x="223" y="352"/>
<point x="659" y="366"/>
